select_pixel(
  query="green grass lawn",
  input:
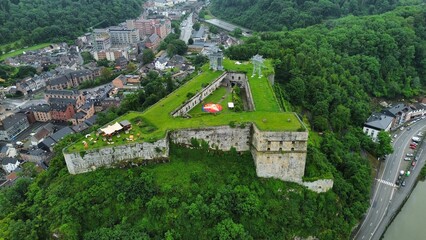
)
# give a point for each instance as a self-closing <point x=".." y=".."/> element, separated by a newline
<point x="20" y="51"/>
<point x="267" y="117"/>
<point x="221" y="96"/>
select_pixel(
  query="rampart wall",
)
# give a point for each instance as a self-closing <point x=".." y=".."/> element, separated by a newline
<point x="199" y="97"/>
<point x="85" y="161"/>
<point x="222" y="138"/>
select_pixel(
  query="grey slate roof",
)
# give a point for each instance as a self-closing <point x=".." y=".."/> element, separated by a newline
<point x="91" y="121"/>
<point x="379" y="121"/>
<point x="393" y="111"/>
<point x="8" y="160"/>
<point x="48" y="142"/>
<point x="125" y="123"/>
<point x="63" y="92"/>
<point x="12" y="120"/>
<point x="40" y="108"/>
<point x="59" y="80"/>
<point x="57" y="136"/>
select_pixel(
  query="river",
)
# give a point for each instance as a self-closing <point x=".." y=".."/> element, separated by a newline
<point x="409" y="224"/>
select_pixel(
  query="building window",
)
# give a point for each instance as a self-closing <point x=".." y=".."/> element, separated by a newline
<point x="269" y="149"/>
<point x="269" y="142"/>
<point x="292" y="149"/>
<point x="293" y="142"/>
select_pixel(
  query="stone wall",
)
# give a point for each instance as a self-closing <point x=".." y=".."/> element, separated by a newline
<point x="223" y="137"/>
<point x="199" y="97"/>
<point x="279" y="155"/>
<point x="80" y="162"/>
<point x="322" y="185"/>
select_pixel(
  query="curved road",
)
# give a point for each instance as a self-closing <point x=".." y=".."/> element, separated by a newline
<point x="387" y="197"/>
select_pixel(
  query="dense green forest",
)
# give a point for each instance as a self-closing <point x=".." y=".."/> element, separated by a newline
<point x="329" y="73"/>
<point x="331" y="70"/>
<point x="27" y="22"/>
<point x="276" y="15"/>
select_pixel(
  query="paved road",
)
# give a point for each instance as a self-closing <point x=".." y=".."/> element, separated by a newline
<point x="387" y="197"/>
<point x="186" y="29"/>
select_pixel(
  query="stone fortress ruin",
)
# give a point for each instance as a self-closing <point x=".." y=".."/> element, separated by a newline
<point x="276" y="154"/>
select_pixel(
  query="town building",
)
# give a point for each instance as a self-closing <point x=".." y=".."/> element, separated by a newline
<point x="48" y="143"/>
<point x="78" y="96"/>
<point x="121" y="36"/>
<point x="9" y="164"/>
<point x="377" y="122"/>
<point x="70" y="80"/>
<point x="11" y="126"/>
<point x="42" y="133"/>
<point x="35" y="155"/>
<point x="153" y="41"/>
<point x="62" y="112"/>
<point x="41" y="112"/>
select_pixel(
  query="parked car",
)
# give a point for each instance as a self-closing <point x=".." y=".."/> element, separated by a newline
<point x="416" y="158"/>
<point x="410" y="155"/>
<point x="407" y="159"/>
<point x="413" y="164"/>
<point x="403" y="183"/>
<point x="413" y="147"/>
<point x="397" y="182"/>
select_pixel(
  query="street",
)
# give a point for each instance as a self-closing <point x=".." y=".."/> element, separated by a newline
<point x="387" y="197"/>
<point x="186" y="29"/>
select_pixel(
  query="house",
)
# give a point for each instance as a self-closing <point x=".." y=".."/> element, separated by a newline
<point x="80" y="127"/>
<point x="398" y="112"/>
<point x="85" y="112"/>
<point x="119" y="81"/>
<point x="415" y="110"/>
<point x="161" y="62"/>
<point x="153" y="41"/>
<point x="41" y="133"/>
<point x="11" y="126"/>
<point x="121" y="63"/>
<point x="377" y="122"/>
<point x="199" y="35"/>
<point x="48" y="143"/>
<point x="9" y="164"/>
<point x="35" y="155"/>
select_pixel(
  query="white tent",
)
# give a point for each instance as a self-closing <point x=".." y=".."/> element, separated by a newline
<point x="110" y="129"/>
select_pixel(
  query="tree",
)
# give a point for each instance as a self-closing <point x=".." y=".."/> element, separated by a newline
<point x="384" y="146"/>
<point x="106" y="73"/>
<point x="190" y="41"/>
<point x="196" y="26"/>
<point x="237" y="32"/>
<point x="147" y="56"/>
<point x="228" y="229"/>
<point x="213" y="29"/>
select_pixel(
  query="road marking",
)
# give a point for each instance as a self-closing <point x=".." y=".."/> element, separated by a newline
<point x="377" y="211"/>
<point x="381" y="199"/>
<point x="371" y="224"/>
<point x="387" y="183"/>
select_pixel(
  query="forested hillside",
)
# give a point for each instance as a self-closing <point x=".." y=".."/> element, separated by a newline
<point x="328" y="72"/>
<point x="276" y="15"/>
<point x="333" y="69"/>
<point x="59" y="20"/>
